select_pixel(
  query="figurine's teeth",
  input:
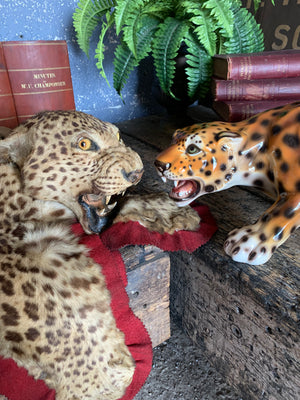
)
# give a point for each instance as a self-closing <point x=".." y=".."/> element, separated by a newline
<point x="175" y="183"/>
<point x="164" y="179"/>
<point x="107" y="199"/>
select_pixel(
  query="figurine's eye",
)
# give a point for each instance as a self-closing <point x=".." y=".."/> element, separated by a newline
<point x="87" y="144"/>
<point x="193" y="149"/>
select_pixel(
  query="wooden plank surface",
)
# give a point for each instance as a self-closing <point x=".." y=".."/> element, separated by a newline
<point x="247" y="318"/>
<point x="148" y="274"/>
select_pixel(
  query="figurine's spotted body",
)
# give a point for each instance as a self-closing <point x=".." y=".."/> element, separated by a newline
<point x="263" y="151"/>
<point x="55" y="315"/>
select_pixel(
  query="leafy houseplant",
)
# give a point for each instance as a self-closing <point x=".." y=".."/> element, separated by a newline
<point x="162" y="28"/>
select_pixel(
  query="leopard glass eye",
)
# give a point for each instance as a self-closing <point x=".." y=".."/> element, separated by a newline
<point x="84" y="144"/>
<point x="193" y="149"/>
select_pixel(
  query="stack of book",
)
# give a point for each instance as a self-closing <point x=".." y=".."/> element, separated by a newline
<point x="246" y="84"/>
<point x="34" y="76"/>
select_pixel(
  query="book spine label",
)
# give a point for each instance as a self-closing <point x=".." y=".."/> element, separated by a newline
<point x="269" y="66"/>
<point x="8" y="116"/>
<point x="40" y="76"/>
<point x="264" y="89"/>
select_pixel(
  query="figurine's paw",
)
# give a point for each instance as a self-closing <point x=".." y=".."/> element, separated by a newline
<point x="157" y="212"/>
<point x="249" y="246"/>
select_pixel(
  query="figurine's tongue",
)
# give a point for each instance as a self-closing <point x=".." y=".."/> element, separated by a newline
<point x="184" y="189"/>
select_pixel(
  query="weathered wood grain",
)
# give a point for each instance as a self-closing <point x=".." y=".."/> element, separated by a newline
<point x="148" y="273"/>
<point x="245" y="317"/>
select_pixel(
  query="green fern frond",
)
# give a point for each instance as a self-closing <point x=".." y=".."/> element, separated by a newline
<point x="257" y="41"/>
<point x="159" y="8"/>
<point x="199" y="68"/>
<point x="189" y="8"/>
<point x="204" y="25"/>
<point x="131" y="28"/>
<point x="166" y="44"/>
<point x="241" y="41"/>
<point x="221" y="11"/>
<point x="256" y="4"/>
<point x="125" y="61"/>
<point x="145" y="35"/>
<point x="156" y="9"/>
<point x="123" y="11"/>
<point x="99" y="53"/>
<point x="205" y="31"/>
<point x="86" y="17"/>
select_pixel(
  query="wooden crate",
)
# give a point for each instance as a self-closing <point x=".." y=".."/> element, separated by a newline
<point x="148" y="273"/>
<point x="246" y="318"/>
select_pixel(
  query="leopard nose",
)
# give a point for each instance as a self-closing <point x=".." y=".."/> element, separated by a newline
<point x="133" y="176"/>
<point x="161" y="166"/>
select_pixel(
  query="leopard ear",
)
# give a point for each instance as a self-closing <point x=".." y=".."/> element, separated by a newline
<point x="16" y="147"/>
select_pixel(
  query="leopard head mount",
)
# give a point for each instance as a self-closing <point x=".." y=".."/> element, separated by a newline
<point x="75" y="160"/>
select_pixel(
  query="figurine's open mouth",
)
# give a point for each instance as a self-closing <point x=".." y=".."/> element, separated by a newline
<point x="185" y="190"/>
<point x="98" y="207"/>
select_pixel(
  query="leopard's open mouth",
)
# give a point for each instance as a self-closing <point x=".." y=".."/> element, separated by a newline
<point x="185" y="190"/>
<point x="99" y="208"/>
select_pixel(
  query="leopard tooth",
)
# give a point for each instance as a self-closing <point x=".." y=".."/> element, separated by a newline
<point x="175" y="183"/>
<point x="164" y="179"/>
<point x="111" y="206"/>
<point x="107" y="199"/>
<point x="102" y="212"/>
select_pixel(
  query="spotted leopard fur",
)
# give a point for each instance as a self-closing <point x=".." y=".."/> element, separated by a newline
<point x="55" y="314"/>
<point x="264" y="152"/>
<point x="158" y="213"/>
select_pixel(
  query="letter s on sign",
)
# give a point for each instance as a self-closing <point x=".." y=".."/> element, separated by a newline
<point x="279" y="35"/>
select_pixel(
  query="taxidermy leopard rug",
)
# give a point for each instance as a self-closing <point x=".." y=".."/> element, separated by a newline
<point x="55" y="314"/>
<point x="263" y="151"/>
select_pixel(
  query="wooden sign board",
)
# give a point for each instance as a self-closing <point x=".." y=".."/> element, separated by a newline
<point x="280" y="23"/>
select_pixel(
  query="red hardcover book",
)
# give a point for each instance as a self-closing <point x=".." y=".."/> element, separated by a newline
<point x="8" y="115"/>
<point x="266" y="64"/>
<point x="40" y="76"/>
<point x="239" y="110"/>
<point x="256" y="89"/>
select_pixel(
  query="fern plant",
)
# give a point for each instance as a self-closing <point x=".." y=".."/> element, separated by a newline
<point x="163" y="27"/>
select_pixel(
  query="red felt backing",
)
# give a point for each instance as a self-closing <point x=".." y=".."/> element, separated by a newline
<point x="16" y="384"/>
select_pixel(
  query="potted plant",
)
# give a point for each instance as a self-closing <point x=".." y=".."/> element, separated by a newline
<point x="198" y="29"/>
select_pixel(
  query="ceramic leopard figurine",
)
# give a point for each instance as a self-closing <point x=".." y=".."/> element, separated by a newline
<point x="264" y="152"/>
